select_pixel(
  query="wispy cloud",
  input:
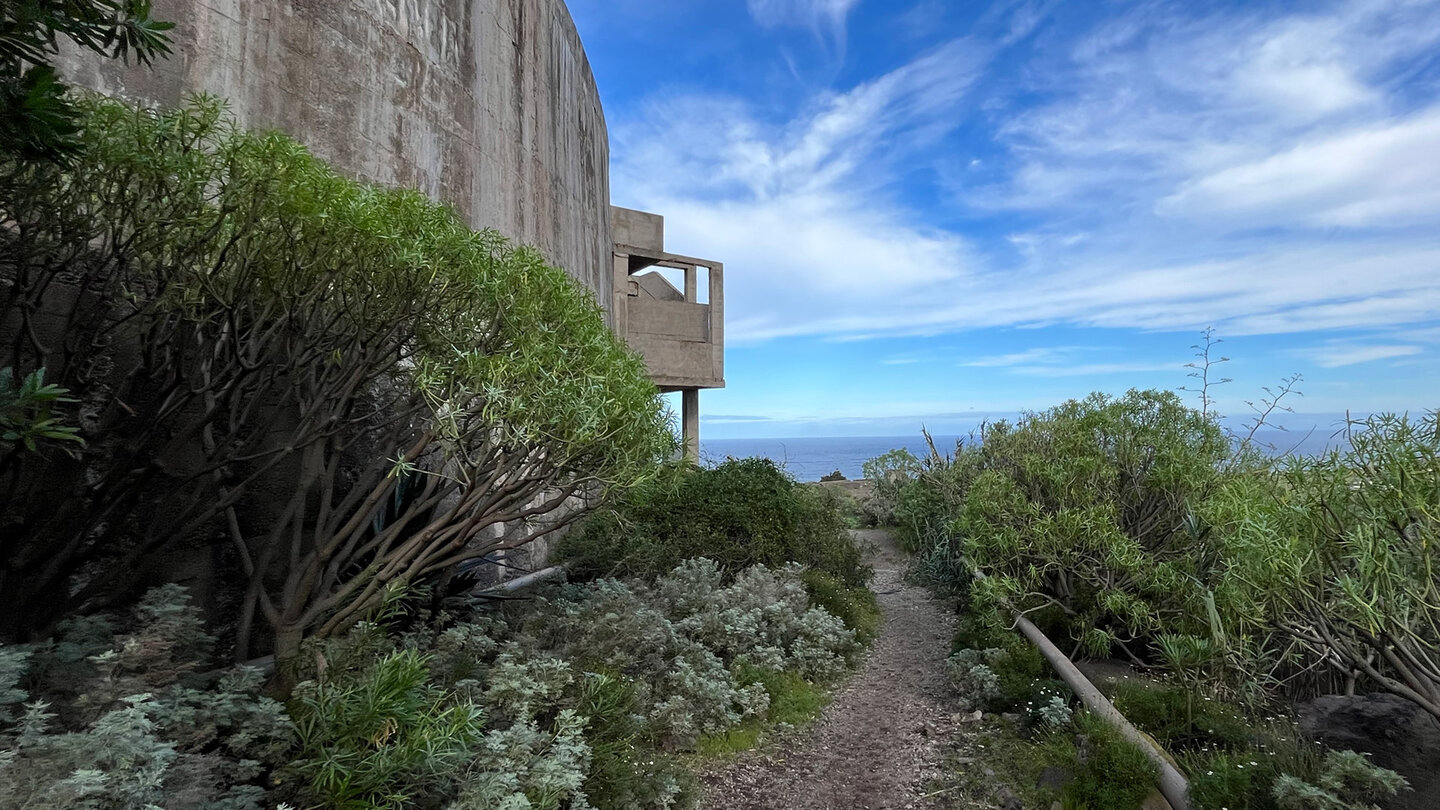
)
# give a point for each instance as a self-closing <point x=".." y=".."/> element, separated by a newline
<point x="1049" y="356"/>
<point x="1094" y="369"/>
<point x="1257" y="171"/>
<point x="1064" y="361"/>
<point x="1337" y="355"/>
<point x="1378" y="175"/>
<point x="719" y="418"/>
<point x="827" y="18"/>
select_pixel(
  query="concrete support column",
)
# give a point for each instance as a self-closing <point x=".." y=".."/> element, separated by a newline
<point x="691" y="284"/>
<point x="690" y="422"/>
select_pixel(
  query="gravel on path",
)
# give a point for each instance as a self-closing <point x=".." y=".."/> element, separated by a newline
<point x="883" y="738"/>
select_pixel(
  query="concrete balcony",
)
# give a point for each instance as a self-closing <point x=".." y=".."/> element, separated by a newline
<point x="681" y="339"/>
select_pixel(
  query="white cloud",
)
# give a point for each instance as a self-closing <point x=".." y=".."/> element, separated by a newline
<point x="1385" y="175"/>
<point x="1339" y="355"/>
<point x="824" y="17"/>
<point x="1041" y="355"/>
<point x="1095" y="369"/>
<point x="1142" y="182"/>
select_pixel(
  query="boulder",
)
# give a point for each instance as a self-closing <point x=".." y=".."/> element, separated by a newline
<point x="1395" y="732"/>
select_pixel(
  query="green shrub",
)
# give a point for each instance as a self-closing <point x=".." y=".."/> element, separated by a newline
<point x="740" y="513"/>
<point x="297" y="348"/>
<point x="627" y="767"/>
<point x="1258" y="779"/>
<point x="685" y="637"/>
<point x="1180" y="719"/>
<point x="1012" y="672"/>
<point x="888" y="476"/>
<point x="1338" y="554"/>
<point x="794" y="701"/>
<point x="1110" y="773"/>
<point x="574" y="701"/>
<point x="37" y="119"/>
<point x="1086" y="505"/>
<point x="856" y="607"/>
<point x="1346" y="781"/>
<point x="376" y="741"/>
<point x="26" y="411"/>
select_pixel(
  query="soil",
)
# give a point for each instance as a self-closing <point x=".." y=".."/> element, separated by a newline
<point x="882" y="742"/>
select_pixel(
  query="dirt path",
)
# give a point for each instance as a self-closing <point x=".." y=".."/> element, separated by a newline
<point x="883" y="738"/>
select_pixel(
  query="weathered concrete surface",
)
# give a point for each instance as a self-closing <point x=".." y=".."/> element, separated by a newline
<point x="639" y="229"/>
<point x="488" y="105"/>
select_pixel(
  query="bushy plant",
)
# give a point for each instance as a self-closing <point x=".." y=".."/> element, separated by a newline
<point x="1346" y="781"/>
<point x="1338" y="554"/>
<point x="742" y="512"/>
<point x="1179" y="718"/>
<point x="972" y="674"/>
<point x="1234" y="758"/>
<point x="1256" y="779"/>
<point x="856" y="607"/>
<point x="251" y="321"/>
<point x="627" y="766"/>
<point x="37" y="120"/>
<point x="888" y="474"/>
<point x="762" y="618"/>
<point x="462" y="718"/>
<point x="1086" y="504"/>
<point x="683" y="639"/>
<point x="577" y="701"/>
<point x="1051" y="708"/>
<point x="27" y="411"/>
<point x="367" y="741"/>
<point x="1013" y="671"/>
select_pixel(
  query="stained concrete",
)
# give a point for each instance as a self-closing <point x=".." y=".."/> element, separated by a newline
<point x="487" y="105"/>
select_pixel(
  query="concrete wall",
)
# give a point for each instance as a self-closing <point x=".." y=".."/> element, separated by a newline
<point x="488" y="105"/>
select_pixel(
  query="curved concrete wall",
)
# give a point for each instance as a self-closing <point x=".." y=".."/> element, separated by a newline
<point x="488" y="105"/>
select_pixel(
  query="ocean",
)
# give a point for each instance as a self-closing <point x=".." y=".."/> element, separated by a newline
<point x="809" y="458"/>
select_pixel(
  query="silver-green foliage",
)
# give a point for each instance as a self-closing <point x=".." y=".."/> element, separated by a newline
<point x="119" y="732"/>
<point x="683" y="638"/>
<point x="1346" y="781"/>
<point x="973" y="676"/>
<point x="458" y="718"/>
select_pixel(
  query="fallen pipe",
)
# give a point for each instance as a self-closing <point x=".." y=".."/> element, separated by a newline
<point x="522" y="582"/>
<point x="1173" y="784"/>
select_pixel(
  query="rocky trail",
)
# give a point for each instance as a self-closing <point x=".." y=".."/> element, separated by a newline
<point x="883" y="738"/>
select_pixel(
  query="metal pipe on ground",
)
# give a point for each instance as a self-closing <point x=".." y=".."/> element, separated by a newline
<point x="521" y="583"/>
<point x="1173" y="784"/>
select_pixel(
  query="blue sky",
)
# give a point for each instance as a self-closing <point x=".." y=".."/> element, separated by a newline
<point x="936" y="211"/>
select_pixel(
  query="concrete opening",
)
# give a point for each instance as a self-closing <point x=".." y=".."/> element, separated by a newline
<point x="661" y="311"/>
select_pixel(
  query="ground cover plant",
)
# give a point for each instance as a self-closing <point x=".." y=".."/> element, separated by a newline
<point x="584" y="698"/>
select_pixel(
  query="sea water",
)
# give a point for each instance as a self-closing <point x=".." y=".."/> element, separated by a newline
<point x="809" y="458"/>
